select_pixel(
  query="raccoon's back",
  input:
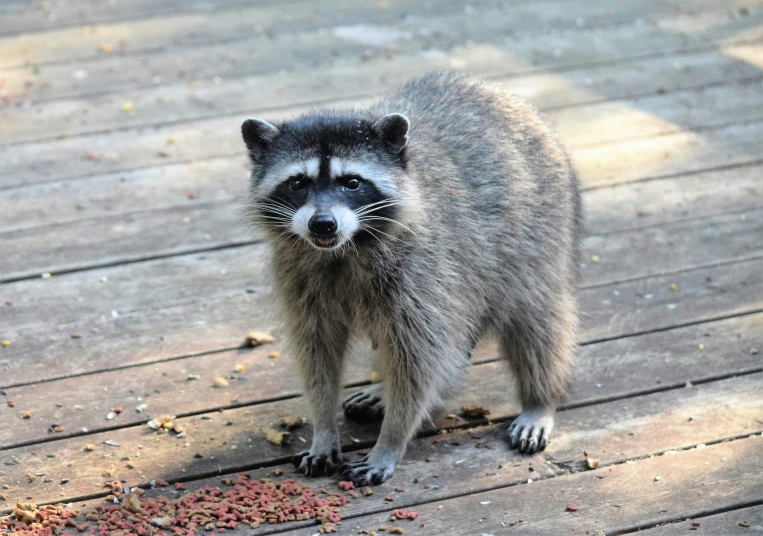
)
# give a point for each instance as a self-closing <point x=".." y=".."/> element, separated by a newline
<point x="492" y="167"/>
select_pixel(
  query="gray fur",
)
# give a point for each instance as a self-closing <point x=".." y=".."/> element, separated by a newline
<point x="488" y="244"/>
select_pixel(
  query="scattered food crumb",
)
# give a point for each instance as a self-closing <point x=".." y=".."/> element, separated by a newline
<point x="273" y="355"/>
<point x="106" y="47"/>
<point x="239" y="368"/>
<point x="592" y="463"/>
<point x="118" y="410"/>
<point x="744" y="523"/>
<point x="673" y="287"/>
<point x="219" y="381"/>
<point x="90" y="447"/>
<point x="366" y="491"/>
<point x="27" y="414"/>
<point x="696" y="524"/>
<point x="76" y="335"/>
<point x="402" y="513"/>
<point x="292" y="422"/>
<point x="6" y="343"/>
<point x="11" y="404"/>
<point x="474" y="411"/>
<point x="430" y="459"/>
<point x="256" y="338"/>
<point x="657" y="478"/>
<point x="346" y="485"/>
<point x="278" y="471"/>
<point x="375" y="377"/>
<point x="594" y="259"/>
<point x="128" y="108"/>
<point x="161" y="421"/>
<point x="276" y="437"/>
<point x="389" y="499"/>
<point x="701" y="346"/>
<point x="572" y="507"/>
<point x="399" y="489"/>
<point x="396" y="530"/>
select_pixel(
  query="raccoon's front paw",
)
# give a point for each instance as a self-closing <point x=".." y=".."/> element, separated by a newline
<point x="366" y="404"/>
<point x="531" y="431"/>
<point x="315" y="463"/>
<point x="371" y="470"/>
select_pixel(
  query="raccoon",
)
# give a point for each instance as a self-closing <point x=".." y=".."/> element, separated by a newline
<point x="443" y="213"/>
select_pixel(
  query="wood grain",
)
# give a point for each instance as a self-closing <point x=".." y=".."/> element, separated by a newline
<point x="183" y="29"/>
<point x="128" y="149"/>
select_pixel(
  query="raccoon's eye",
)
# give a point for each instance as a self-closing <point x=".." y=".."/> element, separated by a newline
<point x="297" y="183"/>
<point x="352" y="182"/>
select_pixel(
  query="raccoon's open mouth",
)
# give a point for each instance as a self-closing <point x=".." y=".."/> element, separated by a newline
<point x="325" y="242"/>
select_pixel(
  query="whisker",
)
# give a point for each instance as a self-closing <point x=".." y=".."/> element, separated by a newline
<point x="361" y="212"/>
<point x="369" y="218"/>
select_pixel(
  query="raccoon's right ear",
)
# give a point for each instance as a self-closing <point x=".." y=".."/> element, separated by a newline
<point x="258" y="137"/>
<point x="393" y="129"/>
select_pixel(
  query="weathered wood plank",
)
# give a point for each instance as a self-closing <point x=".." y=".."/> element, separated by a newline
<point x="718" y="410"/>
<point x="684" y="196"/>
<point x="671" y="154"/>
<point x="161" y="314"/>
<point x="724" y="523"/>
<point x="625" y="499"/>
<point x="183" y="29"/>
<point x="673" y="357"/>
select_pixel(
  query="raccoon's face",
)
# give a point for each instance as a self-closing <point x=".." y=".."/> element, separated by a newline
<point x="330" y="180"/>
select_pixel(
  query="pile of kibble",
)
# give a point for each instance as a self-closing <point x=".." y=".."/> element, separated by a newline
<point x="248" y="502"/>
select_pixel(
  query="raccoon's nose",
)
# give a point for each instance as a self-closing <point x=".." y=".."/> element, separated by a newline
<point x="322" y="224"/>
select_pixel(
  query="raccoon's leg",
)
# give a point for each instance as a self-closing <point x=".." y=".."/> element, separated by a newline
<point x="539" y="346"/>
<point x="366" y="404"/>
<point x="320" y="356"/>
<point x="413" y="378"/>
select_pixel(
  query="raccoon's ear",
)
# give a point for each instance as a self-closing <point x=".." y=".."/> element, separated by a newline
<point x="393" y="129"/>
<point x="258" y="136"/>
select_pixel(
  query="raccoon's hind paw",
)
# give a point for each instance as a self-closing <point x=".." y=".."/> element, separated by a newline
<point x="531" y="431"/>
<point x="366" y="404"/>
<point x="324" y="464"/>
<point x="366" y="473"/>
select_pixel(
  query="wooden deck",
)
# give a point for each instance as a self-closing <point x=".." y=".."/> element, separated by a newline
<point x="121" y="174"/>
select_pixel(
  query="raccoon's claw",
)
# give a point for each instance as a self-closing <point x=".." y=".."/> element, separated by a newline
<point x="531" y="431"/>
<point x="317" y="464"/>
<point x="365" y="473"/>
<point x="366" y="404"/>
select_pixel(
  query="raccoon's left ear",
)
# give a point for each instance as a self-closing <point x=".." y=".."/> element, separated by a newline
<point x="258" y="136"/>
<point x="393" y="129"/>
